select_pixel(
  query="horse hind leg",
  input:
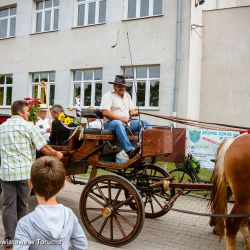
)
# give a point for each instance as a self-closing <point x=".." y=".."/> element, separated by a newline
<point x="233" y="225"/>
<point x="230" y="241"/>
<point x="212" y="223"/>
<point x="245" y="230"/>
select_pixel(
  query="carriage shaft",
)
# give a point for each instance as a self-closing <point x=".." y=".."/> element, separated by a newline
<point x="161" y="182"/>
<point x="198" y="186"/>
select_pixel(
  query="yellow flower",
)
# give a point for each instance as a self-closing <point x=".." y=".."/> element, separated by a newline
<point x="68" y="121"/>
<point x="61" y="117"/>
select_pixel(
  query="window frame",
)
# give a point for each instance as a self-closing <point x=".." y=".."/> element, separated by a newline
<point x="8" y="18"/>
<point x="138" y="9"/>
<point x="48" y="84"/>
<point x="147" y="81"/>
<point x="82" y="89"/>
<point x="5" y="86"/>
<point x="86" y="12"/>
<point x="43" y="11"/>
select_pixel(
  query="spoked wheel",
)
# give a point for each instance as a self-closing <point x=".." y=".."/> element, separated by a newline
<point x="106" y="213"/>
<point x="182" y="176"/>
<point x="154" y="199"/>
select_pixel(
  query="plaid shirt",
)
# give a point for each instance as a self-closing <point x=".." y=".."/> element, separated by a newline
<point x="19" y="140"/>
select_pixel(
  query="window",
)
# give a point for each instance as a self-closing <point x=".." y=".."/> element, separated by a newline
<point x="8" y="22"/>
<point x="91" y="12"/>
<point x="49" y="91"/>
<point x="5" y="90"/>
<point x="143" y="8"/>
<point x="88" y="85"/>
<point x="47" y="15"/>
<point x="147" y="82"/>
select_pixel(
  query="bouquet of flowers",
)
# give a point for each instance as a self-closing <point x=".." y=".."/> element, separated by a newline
<point x="68" y="120"/>
<point x="34" y="104"/>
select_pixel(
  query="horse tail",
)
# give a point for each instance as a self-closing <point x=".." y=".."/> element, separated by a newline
<point x="218" y="204"/>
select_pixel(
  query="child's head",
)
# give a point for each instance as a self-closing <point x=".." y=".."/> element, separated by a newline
<point x="47" y="176"/>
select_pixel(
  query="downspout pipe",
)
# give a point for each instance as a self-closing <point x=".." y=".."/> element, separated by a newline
<point x="177" y="55"/>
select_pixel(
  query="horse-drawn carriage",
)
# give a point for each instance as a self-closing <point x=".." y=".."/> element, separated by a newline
<point x="113" y="206"/>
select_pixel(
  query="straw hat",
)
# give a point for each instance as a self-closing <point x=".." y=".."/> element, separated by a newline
<point x="43" y="107"/>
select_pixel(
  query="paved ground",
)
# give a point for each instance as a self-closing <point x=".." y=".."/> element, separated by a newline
<point x="172" y="231"/>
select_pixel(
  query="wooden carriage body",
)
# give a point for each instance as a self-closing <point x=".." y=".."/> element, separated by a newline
<point x="155" y="142"/>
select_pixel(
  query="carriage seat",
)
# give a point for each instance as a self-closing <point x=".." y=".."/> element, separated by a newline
<point x="96" y="113"/>
<point x="91" y="113"/>
<point x="97" y="131"/>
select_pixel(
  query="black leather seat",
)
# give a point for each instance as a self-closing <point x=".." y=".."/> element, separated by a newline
<point x="92" y="113"/>
<point x="97" y="131"/>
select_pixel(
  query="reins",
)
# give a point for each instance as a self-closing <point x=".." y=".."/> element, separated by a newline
<point x="169" y="207"/>
<point x="200" y="124"/>
<point x="211" y="215"/>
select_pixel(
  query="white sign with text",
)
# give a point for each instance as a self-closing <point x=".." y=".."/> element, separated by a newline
<point x="203" y="144"/>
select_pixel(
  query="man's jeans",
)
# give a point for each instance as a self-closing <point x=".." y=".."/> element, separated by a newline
<point x="121" y="131"/>
<point x="15" y="204"/>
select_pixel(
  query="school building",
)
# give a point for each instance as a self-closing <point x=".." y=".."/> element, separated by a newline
<point x="189" y="58"/>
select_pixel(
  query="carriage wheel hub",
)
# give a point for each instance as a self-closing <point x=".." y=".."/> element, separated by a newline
<point x="166" y="185"/>
<point x="106" y="212"/>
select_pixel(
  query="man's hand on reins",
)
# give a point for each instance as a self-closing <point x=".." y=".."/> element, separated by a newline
<point x="133" y="113"/>
<point x="124" y="119"/>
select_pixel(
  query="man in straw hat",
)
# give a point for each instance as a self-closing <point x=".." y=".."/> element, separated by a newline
<point x="117" y="108"/>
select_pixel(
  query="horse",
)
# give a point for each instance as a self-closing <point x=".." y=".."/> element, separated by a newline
<point x="232" y="168"/>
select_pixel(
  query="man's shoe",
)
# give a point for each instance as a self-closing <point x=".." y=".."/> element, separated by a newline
<point x="134" y="152"/>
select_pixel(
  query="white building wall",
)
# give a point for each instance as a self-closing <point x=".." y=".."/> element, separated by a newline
<point x="195" y="57"/>
<point x="225" y="91"/>
<point x="152" y="41"/>
<point x="190" y="61"/>
<point x="221" y="4"/>
<point x="182" y="84"/>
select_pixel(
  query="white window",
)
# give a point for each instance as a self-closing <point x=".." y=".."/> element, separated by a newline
<point x="88" y="86"/>
<point x="90" y="12"/>
<point x="144" y="90"/>
<point x="46" y="15"/>
<point x="8" y="22"/>
<point x="47" y="93"/>
<point x="5" y="90"/>
<point x="143" y="8"/>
